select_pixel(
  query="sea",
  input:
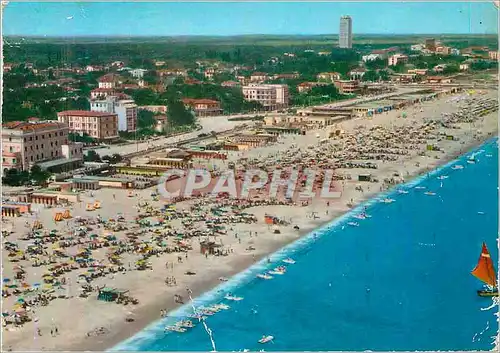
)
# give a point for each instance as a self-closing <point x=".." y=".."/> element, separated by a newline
<point x="400" y="280"/>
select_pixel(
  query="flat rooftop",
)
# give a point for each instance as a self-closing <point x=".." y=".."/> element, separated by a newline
<point x="101" y="178"/>
<point x="374" y="104"/>
<point x="58" y="162"/>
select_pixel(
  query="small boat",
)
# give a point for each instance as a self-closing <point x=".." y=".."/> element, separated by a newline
<point x="430" y="193"/>
<point x="175" y="329"/>
<point x="289" y="261"/>
<point x="359" y="216"/>
<point x="489" y="155"/>
<point x="387" y="200"/>
<point x="185" y="324"/>
<point x="223" y="279"/>
<point x="266" y="339"/>
<point x="457" y="166"/>
<point x="207" y="312"/>
<point x="233" y="298"/>
<point x="222" y="306"/>
<point x="264" y="276"/>
<point x="197" y="316"/>
<point x="419" y="187"/>
<point x="353" y="224"/>
<point x="281" y="270"/>
<point x="485" y="272"/>
<point x="442" y="177"/>
<point x="471" y="161"/>
<point x="212" y="308"/>
<point x="480" y="212"/>
<point x="402" y="192"/>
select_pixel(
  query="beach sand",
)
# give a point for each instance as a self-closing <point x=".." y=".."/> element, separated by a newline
<point x="76" y="316"/>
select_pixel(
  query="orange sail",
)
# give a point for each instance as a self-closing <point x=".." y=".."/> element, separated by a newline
<point x="484" y="270"/>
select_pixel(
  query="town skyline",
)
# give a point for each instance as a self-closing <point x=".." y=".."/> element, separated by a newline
<point x="179" y="19"/>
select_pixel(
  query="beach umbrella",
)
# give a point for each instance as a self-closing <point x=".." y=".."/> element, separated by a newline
<point x="5" y="280"/>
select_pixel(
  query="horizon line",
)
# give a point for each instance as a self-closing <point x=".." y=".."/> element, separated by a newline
<point x="240" y="35"/>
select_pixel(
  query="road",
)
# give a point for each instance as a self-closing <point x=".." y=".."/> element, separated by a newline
<point x="217" y="124"/>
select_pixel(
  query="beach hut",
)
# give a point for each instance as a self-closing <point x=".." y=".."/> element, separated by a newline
<point x="109" y="294"/>
<point x="97" y="205"/>
<point x="58" y="217"/>
<point x="90" y="207"/>
<point x="66" y="214"/>
<point x="364" y="177"/>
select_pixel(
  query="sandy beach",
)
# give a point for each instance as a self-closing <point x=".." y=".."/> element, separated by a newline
<point x="241" y="243"/>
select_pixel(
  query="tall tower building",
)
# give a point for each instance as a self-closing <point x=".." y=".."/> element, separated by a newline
<point x="345" y="32"/>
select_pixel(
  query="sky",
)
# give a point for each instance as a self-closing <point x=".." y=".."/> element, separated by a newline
<point x="235" y="18"/>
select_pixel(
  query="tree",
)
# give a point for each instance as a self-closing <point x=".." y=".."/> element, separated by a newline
<point x="113" y="159"/>
<point x="384" y="75"/>
<point x="178" y="115"/>
<point x="92" y="156"/>
<point x="13" y="177"/>
<point x="144" y="97"/>
<point x="145" y="119"/>
<point x="85" y="138"/>
<point x="371" y="75"/>
<point x="38" y="176"/>
<point x="376" y="64"/>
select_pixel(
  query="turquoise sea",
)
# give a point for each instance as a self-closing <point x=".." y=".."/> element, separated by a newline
<point x="399" y="281"/>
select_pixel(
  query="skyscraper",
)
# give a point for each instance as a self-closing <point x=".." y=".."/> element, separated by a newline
<point x="345" y="32"/>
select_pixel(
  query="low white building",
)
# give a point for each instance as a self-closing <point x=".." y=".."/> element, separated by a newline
<point x="138" y="73"/>
<point x="371" y="57"/>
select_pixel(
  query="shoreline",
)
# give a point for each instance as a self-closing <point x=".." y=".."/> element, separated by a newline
<point x="203" y="287"/>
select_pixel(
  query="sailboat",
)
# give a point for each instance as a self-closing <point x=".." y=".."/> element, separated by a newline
<point x="485" y="272"/>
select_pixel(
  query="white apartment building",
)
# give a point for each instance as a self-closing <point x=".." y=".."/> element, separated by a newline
<point x="126" y="109"/>
<point x="271" y="96"/>
<point x="345" y="32"/>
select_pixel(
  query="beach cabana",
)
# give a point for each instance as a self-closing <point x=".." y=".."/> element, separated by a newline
<point x="109" y="294"/>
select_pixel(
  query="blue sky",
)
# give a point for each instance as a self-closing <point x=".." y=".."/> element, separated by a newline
<point x="232" y="18"/>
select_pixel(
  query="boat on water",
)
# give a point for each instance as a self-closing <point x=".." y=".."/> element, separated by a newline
<point x="485" y="272"/>
<point x="222" y="306"/>
<point x="353" y="224"/>
<point x="489" y="155"/>
<point x="175" y="329"/>
<point x="207" y="312"/>
<point x="359" y="216"/>
<point x="402" y="192"/>
<point x="264" y="276"/>
<point x="266" y="339"/>
<point x="471" y="161"/>
<point x="480" y="212"/>
<point x="280" y="270"/>
<point x="419" y="187"/>
<point x="387" y="200"/>
<point x="233" y="298"/>
<point x="197" y="316"/>
<point x="457" y="166"/>
<point x="442" y="177"/>
<point x="289" y="261"/>
<point x="185" y="324"/>
<point x="430" y="193"/>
